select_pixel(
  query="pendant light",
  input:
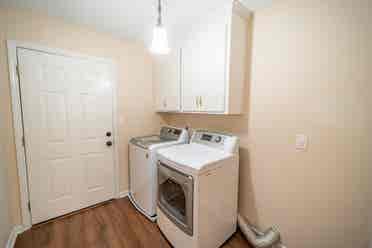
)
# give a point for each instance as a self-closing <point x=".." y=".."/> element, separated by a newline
<point x="159" y="43"/>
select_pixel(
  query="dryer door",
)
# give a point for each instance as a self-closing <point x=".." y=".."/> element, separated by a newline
<point x="175" y="196"/>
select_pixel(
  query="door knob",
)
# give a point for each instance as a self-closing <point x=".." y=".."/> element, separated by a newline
<point x="109" y="143"/>
<point x="108" y="134"/>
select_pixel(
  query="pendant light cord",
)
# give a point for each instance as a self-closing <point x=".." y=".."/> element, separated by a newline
<point x="159" y="13"/>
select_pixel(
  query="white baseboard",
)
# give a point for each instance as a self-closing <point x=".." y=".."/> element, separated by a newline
<point x="123" y="194"/>
<point x="13" y="235"/>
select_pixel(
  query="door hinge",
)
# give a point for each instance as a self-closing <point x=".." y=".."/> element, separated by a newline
<point x="29" y="206"/>
<point x="23" y="141"/>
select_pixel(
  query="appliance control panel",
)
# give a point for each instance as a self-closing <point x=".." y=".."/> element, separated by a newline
<point x="171" y="133"/>
<point x="212" y="138"/>
<point x="221" y="141"/>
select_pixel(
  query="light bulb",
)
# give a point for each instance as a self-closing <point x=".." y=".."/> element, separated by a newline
<point x="159" y="43"/>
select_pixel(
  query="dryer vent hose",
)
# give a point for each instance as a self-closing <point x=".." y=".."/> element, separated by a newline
<point x="256" y="238"/>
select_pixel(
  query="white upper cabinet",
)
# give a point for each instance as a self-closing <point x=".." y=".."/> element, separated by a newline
<point x="166" y="74"/>
<point x="203" y="66"/>
<point x="214" y="65"/>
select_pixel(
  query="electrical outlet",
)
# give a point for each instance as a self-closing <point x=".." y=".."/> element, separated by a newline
<point x="301" y="142"/>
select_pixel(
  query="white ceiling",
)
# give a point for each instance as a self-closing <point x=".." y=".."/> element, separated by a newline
<point x="131" y="19"/>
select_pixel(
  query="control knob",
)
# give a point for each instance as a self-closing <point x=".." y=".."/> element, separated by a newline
<point x="218" y="139"/>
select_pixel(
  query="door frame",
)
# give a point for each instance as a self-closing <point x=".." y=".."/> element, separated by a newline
<point x="12" y="46"/>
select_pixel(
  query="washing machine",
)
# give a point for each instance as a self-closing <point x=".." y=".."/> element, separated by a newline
<point x="143" y="169"/>
<point x="197" y="201"/>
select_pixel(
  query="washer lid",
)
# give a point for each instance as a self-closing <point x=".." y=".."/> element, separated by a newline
<point x="147" y="141"/>
<point x="194" y="156"/>
<point x="168" y="135"/>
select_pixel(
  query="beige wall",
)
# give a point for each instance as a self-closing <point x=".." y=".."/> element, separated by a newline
<point x="134" y="81"/>
<point x="5" y="225"/>
<point x="311" y="75"/>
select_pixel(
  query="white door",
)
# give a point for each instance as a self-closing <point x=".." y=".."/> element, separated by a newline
<point x="67" y="112"/>
<point x="213" y="42"/>
<point x="191" y="74"/>
<point x="167" y="81"/>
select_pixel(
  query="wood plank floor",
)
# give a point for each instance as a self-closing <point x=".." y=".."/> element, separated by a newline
<point x="115" y="224"/>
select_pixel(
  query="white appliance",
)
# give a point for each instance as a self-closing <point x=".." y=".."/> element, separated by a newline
<point x="142" y="167"/>
<point x="197" y="202"/>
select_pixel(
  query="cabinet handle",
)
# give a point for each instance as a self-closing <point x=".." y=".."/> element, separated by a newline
<point x="201" y="103"/>
<point x="197" y="101"/>
<point x="165" y="103"/>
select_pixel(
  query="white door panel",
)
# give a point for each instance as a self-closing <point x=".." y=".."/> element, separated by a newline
<point x="167" y="81"/>
<point x="67" y="110"/>
<point x="98" y="177"/>
<point x="204" y="66"/>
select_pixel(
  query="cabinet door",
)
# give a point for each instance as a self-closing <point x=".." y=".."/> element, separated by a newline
<point x="191" y="75"/>
<point x="204" y="66"/>
<point x="167" y="81"/>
